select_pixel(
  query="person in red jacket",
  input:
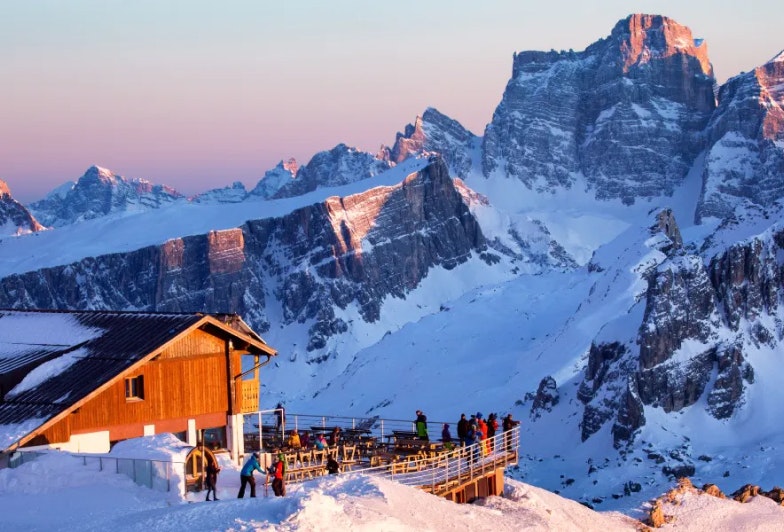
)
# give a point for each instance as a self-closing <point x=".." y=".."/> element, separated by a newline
<point x="278" y="472"/>
<point x="481" y="427"/>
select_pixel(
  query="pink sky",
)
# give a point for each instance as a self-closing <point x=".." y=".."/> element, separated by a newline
<point x="197" y="94"/>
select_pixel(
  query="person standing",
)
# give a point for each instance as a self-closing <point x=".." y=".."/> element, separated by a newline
<point x="421" y="425"/>
<point x="446" y="435"/>
<point x="462" y="429"/>
<point x="278" y="471"/>
<point x="507" y="425"/>
<point x="246" y="475"/>
<point x="481" y="432"/>
<point x="470" y="439"/>
<point x="492" y="427"/>
<point x="280" y="425"/>
<point x="211" y="478"/>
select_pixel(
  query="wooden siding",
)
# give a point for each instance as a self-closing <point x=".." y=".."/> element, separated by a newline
<point x="250" y="396"/>
<point x="175" y="388"/>
<point x="188" y="380"/>
<point x="59" y="433"/>
<point x="197" y="342"/>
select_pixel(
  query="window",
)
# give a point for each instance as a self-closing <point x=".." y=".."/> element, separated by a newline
<point x="134" y="388"/>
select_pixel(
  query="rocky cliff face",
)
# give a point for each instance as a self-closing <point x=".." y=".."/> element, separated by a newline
<point x="627" y="113"/>
<point x="745" y="159"/>
<point x="100" y="192"/>
<point x="15" y="219"/>
<point x="701" y="319"/>
<point x="355" y="250"/>
<point x="436" y="132"/>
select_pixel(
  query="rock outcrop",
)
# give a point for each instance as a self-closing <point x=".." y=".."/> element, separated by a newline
<point x="15" y="219"/>
<point x="434" y="132"/>
<point x="745" y="159"/>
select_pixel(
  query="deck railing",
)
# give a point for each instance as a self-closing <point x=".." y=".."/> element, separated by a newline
<point x="264" y="424"/>
<point x="442" y="471"/>
<point x="428" y="466"/>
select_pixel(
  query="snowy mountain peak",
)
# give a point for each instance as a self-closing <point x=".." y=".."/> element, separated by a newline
<point x="100" y="192"/>
<point x="431" y="132"/>
<point x="98" y="172"/>
<point x="290" y="166"/>
<point x="643" y="38"/>
<point x="4" y="190"/>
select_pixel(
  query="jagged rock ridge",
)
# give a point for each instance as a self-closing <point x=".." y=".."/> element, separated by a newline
<point x="355" y="250"/>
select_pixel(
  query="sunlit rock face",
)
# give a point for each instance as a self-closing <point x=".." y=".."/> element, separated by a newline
<point x="434" y="132"/>
<point x="15" y="219"/>
<point x="357" y="250"/>
<point x="100" y="192"/>
<point x="627" y="113"/>
<point x="745" y="160"/>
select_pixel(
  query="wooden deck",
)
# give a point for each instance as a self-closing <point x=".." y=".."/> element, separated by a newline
<point x="460" y="475"/>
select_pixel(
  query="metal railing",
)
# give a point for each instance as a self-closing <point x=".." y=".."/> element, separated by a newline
<point x="158" y="475"/>
<point x="446" y="470"/>
<point x="155" y="474"/>
<point x="264" y="423"/>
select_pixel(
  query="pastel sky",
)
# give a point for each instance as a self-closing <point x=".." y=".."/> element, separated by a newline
<point x="198" y="94"/>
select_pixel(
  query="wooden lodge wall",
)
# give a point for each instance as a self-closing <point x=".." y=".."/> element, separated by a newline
<point x="188" y="380"/>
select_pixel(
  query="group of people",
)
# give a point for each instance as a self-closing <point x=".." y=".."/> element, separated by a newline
<point x="277" y="471"/>
<point x="469" y="431"/>
<point x="295" y="441"/>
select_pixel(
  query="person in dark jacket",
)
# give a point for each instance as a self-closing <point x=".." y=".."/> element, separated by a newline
<point x="462" y="429"/>
<point x="492" y="427"/>
<point x="470" y="439"/>
<point x="332" y="465"/>
<point x="446" y="436"/>
<point x="507" y="425"/>
<point x="211" y="478"/>
<point x="246" y="475"/>
<point x="280" y="414"/>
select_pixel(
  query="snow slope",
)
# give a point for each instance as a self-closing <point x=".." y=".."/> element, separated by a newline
<point x="57" y="493"/>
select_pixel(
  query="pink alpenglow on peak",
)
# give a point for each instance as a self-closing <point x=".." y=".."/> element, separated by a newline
<point x="657" y="37"/>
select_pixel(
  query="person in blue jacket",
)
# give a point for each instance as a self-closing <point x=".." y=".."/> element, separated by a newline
<point x="246" y="475"/>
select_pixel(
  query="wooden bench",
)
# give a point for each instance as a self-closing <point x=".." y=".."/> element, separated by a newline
<point x="299" y="474"/>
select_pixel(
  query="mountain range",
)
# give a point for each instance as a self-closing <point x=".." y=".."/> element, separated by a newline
<point x="606" y="262"/>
